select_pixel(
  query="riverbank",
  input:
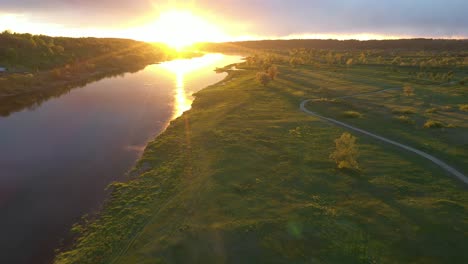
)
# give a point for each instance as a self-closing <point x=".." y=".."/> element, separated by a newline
<point x="20" y="91"/>
<point x="33" y="90"/>
<point x="244" y="177"/>
<point x="46" y="67"/>
<point x="72" y="146"/>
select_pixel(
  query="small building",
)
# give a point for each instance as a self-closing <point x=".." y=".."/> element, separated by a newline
<point x="3" y="69"/>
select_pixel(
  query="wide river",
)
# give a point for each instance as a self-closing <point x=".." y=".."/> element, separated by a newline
<point x="57" y="159"/>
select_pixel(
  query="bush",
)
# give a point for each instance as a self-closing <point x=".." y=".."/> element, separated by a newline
<point x="433" y="124"/>
<point x="263" y="78"/>
<point x="346" y="152"/>
<point x="296" y="61"/>
<point x="408" y="90"/>
<point x="463" y="107"/>
<point x="352" y="114"/>
<point x="432" y="110"/>
<point x="401" y="111"/>
<point x="327" y="100"/>
<point x="404" y="119"/>
<point x="272" y="72"/>
<point x="446" y="108"/>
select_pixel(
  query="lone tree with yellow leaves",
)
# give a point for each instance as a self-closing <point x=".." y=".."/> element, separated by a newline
<point x="408" y="90"/>
<point x="263" y="78"/>
<point x="272" y="71"/>
<point x="346" y="152"/>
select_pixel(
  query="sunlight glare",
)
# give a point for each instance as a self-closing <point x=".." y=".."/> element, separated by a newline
<point x="180" y="29"/>
<point x="183" y="69"/>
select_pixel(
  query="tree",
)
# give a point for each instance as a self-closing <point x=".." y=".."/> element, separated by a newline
<point x="396" y="61"/>
<point x="263" y="78"/>
<point x="250" y="60"/>
<point x="11" y="54"/>
<point x="408" y="90"/>
<point x="295" y="61"/>
<point x="363" y="58"/>
<point x="450" y="76"/>
<point x="380" y="60"/>
<point x="346" y="152"/>
<point x="272" y="71"/>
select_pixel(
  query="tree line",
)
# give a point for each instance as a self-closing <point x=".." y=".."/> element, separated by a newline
<point x="400" y="44"/>
<point x="27" y="52"/>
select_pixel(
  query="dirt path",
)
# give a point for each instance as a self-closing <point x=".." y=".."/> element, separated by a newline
<point x="423" y="154"/>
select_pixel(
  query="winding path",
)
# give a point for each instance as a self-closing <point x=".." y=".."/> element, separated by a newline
<point x="435" y="160"/>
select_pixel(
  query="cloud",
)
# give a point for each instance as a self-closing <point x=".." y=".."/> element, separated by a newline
<point x="79" y="13"/>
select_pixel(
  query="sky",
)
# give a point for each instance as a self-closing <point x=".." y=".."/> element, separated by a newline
<point x="242" y="19"/>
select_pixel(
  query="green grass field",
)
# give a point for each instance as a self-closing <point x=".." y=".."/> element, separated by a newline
<point x="245" y="177"/>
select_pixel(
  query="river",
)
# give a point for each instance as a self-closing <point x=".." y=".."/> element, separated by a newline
<point x="57" y="158"/>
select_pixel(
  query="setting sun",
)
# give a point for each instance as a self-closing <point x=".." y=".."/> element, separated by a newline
<point x="180" y="29"/>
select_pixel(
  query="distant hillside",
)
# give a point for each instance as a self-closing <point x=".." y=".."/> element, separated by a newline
<point x="402" y="44"/>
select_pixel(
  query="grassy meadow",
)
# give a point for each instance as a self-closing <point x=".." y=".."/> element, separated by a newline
<point x="245" y="176"/>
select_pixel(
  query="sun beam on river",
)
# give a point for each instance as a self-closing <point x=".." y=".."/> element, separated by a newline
<point x="182" y="102"/>
<point x="183" y="71"/>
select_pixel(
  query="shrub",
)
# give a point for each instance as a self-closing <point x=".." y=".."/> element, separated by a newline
<point x="263" y="78"/>
<point x="346" y="152"/>
<point x="327" y="100"/>
<point x="401" y="111"/>
<point x="408" y="90"/>
<point x="463" y="107"/>
<point x="433" y="124"/>
<point x="296" y="61"/>
<point x="432" y="110"/>
<point x="404" y="119"/>
<point x="352" y="114"/>
<point x="272" y="71"/>
<point x="446" y="108"/>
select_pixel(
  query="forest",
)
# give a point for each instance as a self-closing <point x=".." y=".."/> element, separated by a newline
<point x="38" y="67"/>
<point x="35" y="63"/>
<point x="33" y="53"/>
<point x="400" y="44"/>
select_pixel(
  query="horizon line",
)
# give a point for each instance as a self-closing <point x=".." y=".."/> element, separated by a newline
<point x="257" y="38"/>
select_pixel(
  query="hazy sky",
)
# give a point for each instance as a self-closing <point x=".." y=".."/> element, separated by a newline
<point x="252" y="18"/>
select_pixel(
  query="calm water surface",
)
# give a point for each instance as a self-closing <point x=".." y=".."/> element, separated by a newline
<point x="56" y="160"/>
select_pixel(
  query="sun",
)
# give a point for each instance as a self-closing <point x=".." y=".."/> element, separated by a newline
<point x="181" y="29"/>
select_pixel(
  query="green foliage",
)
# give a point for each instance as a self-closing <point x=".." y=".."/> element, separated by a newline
<point x="346" y="152"/>
<point x="432" y="110"/>
<point x="295" y="61"/>
<point x="244" y="177"/>
<point x="352" y="114"/>
<point x="405" y="119"/>
<point x="272" y="72"/>
<point x="263" y="78"/>
<point x="39" y="52"/>
<point x="40" y="67"/>
<point x="433" y="124"/>
<point x="405" y="111"/>
<point x="408" y="90"/>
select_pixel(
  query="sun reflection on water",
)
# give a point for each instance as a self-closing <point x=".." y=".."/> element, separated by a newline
<point x="182" y="101"/>
<point x="183" y="70"/>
